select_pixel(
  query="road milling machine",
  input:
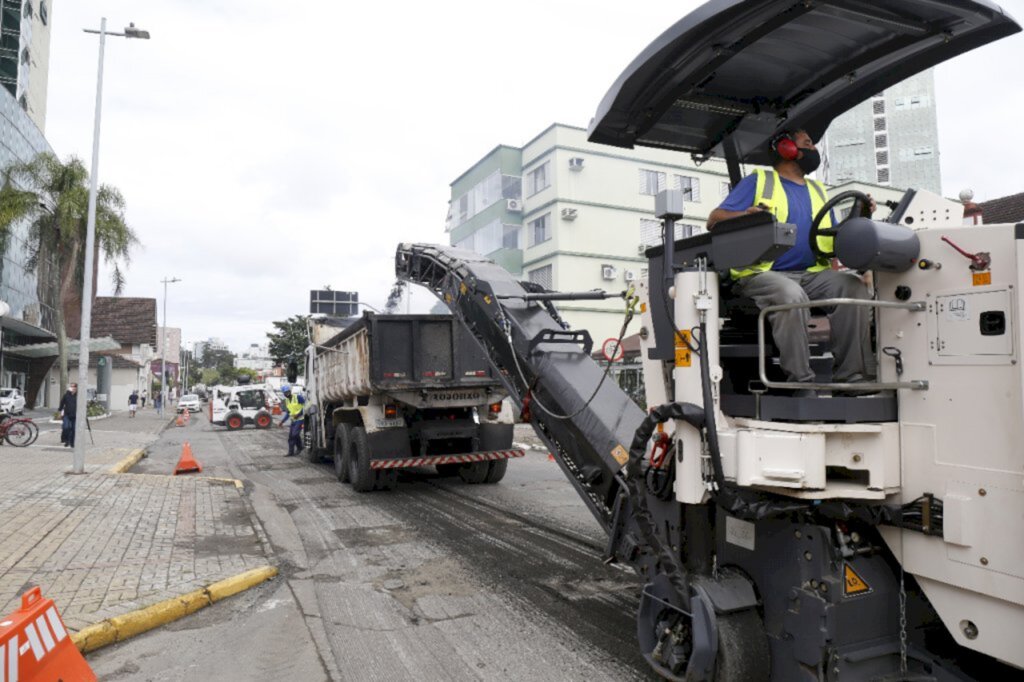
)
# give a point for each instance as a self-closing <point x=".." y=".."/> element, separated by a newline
<point x="779" y="536"/>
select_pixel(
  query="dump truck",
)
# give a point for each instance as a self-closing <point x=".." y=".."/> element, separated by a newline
<point x="784" y="536"/>
<point x="401" y="391"/>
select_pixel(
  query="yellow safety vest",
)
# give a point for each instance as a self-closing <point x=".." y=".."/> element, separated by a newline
<point x="294" y="408"/>
<point x="772" y="194"/>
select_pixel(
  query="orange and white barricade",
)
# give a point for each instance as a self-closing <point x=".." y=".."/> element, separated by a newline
<point x="35" y="646"/>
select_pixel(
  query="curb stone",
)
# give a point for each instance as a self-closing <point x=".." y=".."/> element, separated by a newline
<point x="120" y="628"/>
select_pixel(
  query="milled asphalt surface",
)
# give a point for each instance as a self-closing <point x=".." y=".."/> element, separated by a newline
<point x="102" y="544"/>
<point x="435" y="580"/>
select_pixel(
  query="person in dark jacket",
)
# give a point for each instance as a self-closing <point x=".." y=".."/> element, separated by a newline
<point x="69" y="411"/>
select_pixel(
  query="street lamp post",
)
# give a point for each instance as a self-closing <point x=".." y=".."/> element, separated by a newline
<point x="78" y="464"/>
<point x="163" y="351"/>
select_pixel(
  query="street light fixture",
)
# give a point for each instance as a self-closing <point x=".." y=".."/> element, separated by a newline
<point x="78" y="466"/>
<point x="163" y="346"/>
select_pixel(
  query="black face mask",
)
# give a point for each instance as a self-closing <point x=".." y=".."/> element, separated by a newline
<point x="809" y="160"/>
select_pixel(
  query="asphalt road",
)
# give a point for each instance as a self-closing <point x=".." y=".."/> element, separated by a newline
<point x="434" y="580"/>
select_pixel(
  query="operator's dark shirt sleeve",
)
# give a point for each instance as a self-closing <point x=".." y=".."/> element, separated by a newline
<point x="742" y="195"/>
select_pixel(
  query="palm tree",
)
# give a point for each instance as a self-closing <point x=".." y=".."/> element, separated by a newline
<point x="54" y="198"/>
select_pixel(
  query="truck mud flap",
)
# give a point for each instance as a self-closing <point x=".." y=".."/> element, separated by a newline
<point x="467" y="458"/>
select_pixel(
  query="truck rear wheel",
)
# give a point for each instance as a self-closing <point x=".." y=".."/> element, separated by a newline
<point x="475" y="472"/>
<point x="496" y="470"/>
<point x="387" y="479"/>
<point x="360" y="475"/>
<point x="310" y="438"/>
<point x="342" y="446"/>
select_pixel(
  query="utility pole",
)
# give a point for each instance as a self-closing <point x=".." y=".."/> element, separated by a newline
<point x="163" y="348"/>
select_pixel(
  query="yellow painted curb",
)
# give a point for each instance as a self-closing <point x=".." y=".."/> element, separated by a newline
<point x="120" y="628"/>
<point x="128" y="462"/>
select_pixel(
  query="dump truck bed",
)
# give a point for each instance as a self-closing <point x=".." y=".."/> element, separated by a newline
<point x="396" y="353"/>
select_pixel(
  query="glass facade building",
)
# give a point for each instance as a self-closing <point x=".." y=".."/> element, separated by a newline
<point x="892" y="139"/>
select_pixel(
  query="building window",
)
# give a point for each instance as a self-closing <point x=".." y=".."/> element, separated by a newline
<point x="724" y="189"/>
<point x="883" y="176"/>
<point x="878" y="106"/>
<point x="541" y="276"/>
<point x="539" y="230"/>
<point x="923" y="151"/>
<point x="651" y="182"/>
<point x="650" y="231"/>
<point x="881" y="141"/>
<point x="882" y="158"/>
<point x="510" y="237"/>
<point x="538" y="179"/>
<point x="689" y="186"/>
<point x="880" y="124"/>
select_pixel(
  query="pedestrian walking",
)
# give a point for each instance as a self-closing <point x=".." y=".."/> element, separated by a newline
<point x="158" y="403"/>
<point x="68" y="412"/>
<point x="294" y="406"/>
<point x="142" y="399"/>
<point x="133" y="403"/>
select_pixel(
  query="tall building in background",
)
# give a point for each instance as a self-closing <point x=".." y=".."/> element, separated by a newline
<point x="28" y="346"/>
<point x="25" y="54"/>
<point x="891" y="139"/>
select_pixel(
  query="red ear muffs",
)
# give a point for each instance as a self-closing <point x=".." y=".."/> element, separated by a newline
<point x="785" y="147"/>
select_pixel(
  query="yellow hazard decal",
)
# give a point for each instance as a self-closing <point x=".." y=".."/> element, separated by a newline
<point x="643" y="307"/>
<point x="620" y="455"/>
<point x="683" y="356"/>
<point x="981" y="279"/>
<point x="463" y="288"/>
<point x="853" y="584"/>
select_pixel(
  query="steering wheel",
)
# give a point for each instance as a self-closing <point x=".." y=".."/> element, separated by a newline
<point x="861" y="203"/>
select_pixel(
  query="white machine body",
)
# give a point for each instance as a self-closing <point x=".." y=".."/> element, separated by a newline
<point x="959" y="439"/>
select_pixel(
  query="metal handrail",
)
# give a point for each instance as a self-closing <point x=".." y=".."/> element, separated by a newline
<point x="916" y="385"/>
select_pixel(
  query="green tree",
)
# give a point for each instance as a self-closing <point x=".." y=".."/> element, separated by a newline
<point x="53" y="198"/>
<point x="209" y="376"/>
<point x="289" y="340"/>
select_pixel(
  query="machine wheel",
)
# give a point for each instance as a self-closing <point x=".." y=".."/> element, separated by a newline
<point x="234" y="421"/>
<point x="475" y="472"/>
<point x="263" y="420"/>
<point x="496" y="470"/>
<point x="342" y="446"/>
<point x="360" y="474"/>
<point x="665" y="634"/>
<point x="743" y="654"/>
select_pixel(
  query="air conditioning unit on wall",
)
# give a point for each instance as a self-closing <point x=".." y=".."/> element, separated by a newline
<point x="609" y="272"/>
<point x="569" y="213"/>
<point x="514" y="205"/>
<point x="629" y="275"/>
<point x="576" y="164"/>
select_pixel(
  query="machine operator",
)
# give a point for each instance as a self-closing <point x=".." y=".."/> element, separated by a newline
<point x="799" y="275"/>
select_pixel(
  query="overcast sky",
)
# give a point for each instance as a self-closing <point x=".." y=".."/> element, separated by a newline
<point x="268" y="148"/>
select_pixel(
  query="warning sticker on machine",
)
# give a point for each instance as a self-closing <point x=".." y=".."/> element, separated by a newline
<point x="853" y="584"/>
<point x="980" y="279"/>
<point x="620" y="455"/>
<point x="683" y="358"/>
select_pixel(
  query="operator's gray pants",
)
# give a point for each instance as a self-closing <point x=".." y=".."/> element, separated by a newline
<point x="851" y="325"/>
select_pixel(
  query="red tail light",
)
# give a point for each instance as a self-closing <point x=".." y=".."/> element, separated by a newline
<point x="390" y="411"/>
<point x="495" y="408"/>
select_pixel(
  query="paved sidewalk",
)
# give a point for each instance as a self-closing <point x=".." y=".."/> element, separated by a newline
<point x="103" y="544"/>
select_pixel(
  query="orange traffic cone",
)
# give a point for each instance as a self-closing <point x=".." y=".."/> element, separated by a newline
<point x="551" y="458"/>
<point x="187" y="462"/>
<point x="180" y="421"/>
<point x="34" y="644"/>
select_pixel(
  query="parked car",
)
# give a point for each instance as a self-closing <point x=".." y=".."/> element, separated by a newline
<point x="190" y="402"/>
<point x="12" y="401"/>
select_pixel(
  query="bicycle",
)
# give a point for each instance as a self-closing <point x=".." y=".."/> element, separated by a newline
<point x="18" y="431"/>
